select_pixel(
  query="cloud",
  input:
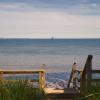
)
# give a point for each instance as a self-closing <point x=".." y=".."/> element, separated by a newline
<point x="84" y="7"/>
<point x="45" y="24"/>
<point x="44" y="18"/>
<point x="94" y="5"/>
<point x="15" y="7"/>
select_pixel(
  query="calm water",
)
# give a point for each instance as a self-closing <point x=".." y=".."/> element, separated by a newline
<point x="57" y="54"/>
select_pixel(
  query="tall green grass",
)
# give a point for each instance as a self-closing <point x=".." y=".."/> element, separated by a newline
<point x="20" y="90"/>
<point x="93" y="93"/>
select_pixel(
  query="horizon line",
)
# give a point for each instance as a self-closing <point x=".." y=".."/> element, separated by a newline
<point x="47" y="38"/>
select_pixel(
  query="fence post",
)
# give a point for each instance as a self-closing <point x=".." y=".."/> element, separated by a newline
<point x="71" y="75"/>
<point x="86" y="74"/>
<point x="42" y="79"/>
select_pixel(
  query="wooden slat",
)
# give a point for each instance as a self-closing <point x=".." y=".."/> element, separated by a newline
<point x="42" y="79"/>
<point x="41" y="73"/>
<point x="69" y="93"/>
<point x="71" y="76"/>
<point x="20" y="71"/>
<point x="33" y="80"/>
<point x="96" y="71"/>
<point x="95" y="80"/>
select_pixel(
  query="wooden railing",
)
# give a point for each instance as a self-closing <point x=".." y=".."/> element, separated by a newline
<point x="74" y="77"/>
<point x="86" y="74"/>
<point x="96" y="81"/>
<point x="70" y="79"/>
<point x="41" y="74"/>
<point x="86" y="78"/>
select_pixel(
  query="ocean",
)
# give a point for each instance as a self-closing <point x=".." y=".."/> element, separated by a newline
<point x="57" y="54"/>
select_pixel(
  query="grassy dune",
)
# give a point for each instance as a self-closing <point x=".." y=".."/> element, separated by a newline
<point x="20" y="90"/>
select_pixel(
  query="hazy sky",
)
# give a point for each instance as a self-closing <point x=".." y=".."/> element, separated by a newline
<point x="47" y="18"/>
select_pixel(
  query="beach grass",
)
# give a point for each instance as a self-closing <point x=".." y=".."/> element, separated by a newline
<point x="93" y="93"/>
<point x="20" y="90"/>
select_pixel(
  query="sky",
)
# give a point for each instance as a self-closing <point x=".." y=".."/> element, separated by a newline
<point x="49" y="18"/>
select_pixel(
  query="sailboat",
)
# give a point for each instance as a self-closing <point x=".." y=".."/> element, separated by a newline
<point x="52" y="38"/>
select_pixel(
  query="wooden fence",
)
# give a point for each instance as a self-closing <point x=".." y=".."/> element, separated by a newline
<point x="96" y="81"/>
<point x="86" y="79"/>
<point x="41" y="74"/>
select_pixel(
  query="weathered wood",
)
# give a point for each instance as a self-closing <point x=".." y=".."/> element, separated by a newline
<point x="40" y="72"/>
<point x="62" y="96"/>
<point x="96" y="71"/>
<point x="74" y="77"/>
<point x="96" y="80"/>
<point x="71" y="75"/>
<point x="42" y="79"/>
<point x="69" y="93"/>
<point x="86" y="74"/>
<point x="20" y="71"/>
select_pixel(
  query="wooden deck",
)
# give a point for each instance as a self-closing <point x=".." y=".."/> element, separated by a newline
<point x="65" y="94"/>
